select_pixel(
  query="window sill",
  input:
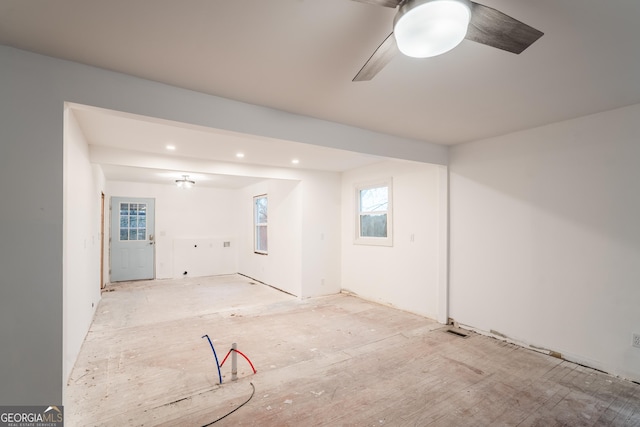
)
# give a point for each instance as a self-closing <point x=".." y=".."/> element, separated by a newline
<point x="373" y="241"/>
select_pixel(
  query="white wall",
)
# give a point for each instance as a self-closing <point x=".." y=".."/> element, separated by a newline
<point x="201" y="216"/>
<point x="304" y="234"/>
<point x="545" y="242"/>
<point x="543" y="222"/>
<point x="405" y="275"/>
<point x="33" y="89"/>
<point x="31" y="291"/>
<point x="303" y="261"/>
<point x="280" y="268"/>
<point x="83" y="184"/>
<point x="321" y="233"/>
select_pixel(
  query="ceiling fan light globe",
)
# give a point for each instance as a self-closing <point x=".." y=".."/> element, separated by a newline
<point x="425" y="28"/>
<point x="185" y="182"/>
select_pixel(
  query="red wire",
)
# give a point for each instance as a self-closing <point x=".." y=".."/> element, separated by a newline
<point x="242" y="354"/>
<point x="225" y="358"/>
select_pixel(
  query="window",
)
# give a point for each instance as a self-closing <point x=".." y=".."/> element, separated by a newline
<point x="133" y="221"/>
<point x="260" y="224"/>
<point x="373" y="219"/>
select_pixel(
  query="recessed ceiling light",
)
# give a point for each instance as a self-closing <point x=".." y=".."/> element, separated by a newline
<point x="240" y="155"/>
<point x="171" y="147"/>
<point x="295" y="161"/>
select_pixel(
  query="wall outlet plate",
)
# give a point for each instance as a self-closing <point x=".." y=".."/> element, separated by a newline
<point x="636" y="340"/>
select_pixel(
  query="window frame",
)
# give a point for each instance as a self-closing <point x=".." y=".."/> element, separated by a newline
<point x="256" y="224"/>
<point x="369" y="240"/>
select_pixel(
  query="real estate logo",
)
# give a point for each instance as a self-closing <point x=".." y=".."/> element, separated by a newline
<point x="31" y="416"/>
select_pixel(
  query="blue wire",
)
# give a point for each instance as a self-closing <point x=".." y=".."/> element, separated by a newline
<point x="214" y="355"/>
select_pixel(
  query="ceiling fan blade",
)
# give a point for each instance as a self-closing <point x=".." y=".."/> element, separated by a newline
<point x="385" y="3"/>
<point x="493" y="28"/>
<point x="381" y="57"/>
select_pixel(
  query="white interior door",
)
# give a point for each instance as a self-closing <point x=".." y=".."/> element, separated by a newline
<point x="132" y="247"/>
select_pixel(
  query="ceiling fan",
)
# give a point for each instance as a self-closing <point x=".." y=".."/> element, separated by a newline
<point x="425" y="28"/>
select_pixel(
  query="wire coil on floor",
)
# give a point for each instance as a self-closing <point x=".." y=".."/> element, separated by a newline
<point x="240" y="406"/>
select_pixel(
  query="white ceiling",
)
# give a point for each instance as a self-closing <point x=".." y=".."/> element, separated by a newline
<point x="196" y="150"/>
<point x="300" y="56"/>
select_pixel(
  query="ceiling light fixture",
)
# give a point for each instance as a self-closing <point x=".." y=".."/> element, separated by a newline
<point x="240" y="155"/>
<point x="185" y="182"/>
<point x="425" y="28"/>
<point x="171" y="147"/>
<point x="295" y="161"/>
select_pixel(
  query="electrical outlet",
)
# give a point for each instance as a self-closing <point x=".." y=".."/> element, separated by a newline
<point x="636" y="340"/>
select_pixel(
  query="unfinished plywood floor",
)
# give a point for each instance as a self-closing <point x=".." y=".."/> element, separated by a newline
<point x="331" y="361"/>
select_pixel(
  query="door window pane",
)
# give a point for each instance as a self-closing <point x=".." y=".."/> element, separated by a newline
<point x="133" y="221"/>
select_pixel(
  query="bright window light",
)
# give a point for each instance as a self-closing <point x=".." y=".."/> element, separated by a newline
<point x="374" y="221"/>
<point x="260" y="224"/>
